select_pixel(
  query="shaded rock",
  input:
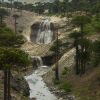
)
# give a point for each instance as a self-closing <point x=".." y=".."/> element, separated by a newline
<point x="60" y="98"/>
<point x="49" y="59"/>
<point x="33" y="98"/>
<point x="19" y="84"/>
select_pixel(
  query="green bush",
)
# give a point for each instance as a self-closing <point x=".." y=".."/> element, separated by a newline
<point x="65" y="71"/>
<point x="62" y="15"/>
<point x="67" y="87"/>
<point x="56" y="82"/>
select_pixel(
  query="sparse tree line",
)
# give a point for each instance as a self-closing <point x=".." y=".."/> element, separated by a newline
<point x="65" y="7"/>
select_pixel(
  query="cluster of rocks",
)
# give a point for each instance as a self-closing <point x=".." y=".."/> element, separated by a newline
<point x="33" y="98"/>
<point x="62" y="95"/>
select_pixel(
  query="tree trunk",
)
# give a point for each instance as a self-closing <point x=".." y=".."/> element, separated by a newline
<point x="15" y="26"/>
<point x="57" y="66"/>
<point x="82" y="51"/>
<point x="11" y="4"/>
<point x="1" y="19"/>
<point x="5" y="84"/>
<point x="77" y="61"/>
<point x="56" y="70"/>
<point x="9" y="96"/>
<point x="77" y="58"/>
<point x="82" y="60"/>
<point x="84" y="64"/>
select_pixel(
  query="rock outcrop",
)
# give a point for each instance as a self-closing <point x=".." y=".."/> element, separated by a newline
<point x="66" y="61"/>
<point x="19" y="84"/>
<point x="19" y="87"/>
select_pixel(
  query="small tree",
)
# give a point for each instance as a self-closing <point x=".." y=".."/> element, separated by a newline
<point x="96" y="53"/>
<point x="81" y="21"/>
<point x="85" y="54"/>
<point x="56" y="49"/>
<point x="9" y="39"/>
<point x="76" y="35"/>
<point x="96" y="10"/>
<point x="81" y="57"/>
<point x="11" y="2"/>
<point x="3" y="13"/>
<point x="15" y="16"/>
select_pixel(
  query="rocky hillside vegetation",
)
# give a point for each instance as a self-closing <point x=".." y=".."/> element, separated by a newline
<point x="56" y="43"/>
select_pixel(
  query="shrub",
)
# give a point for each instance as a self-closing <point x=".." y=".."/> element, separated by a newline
<point x="56" y="82"/>
<point x="65" y="71"/>
<point x="67" y="87"/>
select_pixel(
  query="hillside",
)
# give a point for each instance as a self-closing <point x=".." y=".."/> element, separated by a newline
<point x="50" y="50"/>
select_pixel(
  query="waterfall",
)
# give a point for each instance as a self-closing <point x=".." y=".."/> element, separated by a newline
<point x="38" y="88"/>
<point x="37" y="61"/>
<point x="45" y="34"/>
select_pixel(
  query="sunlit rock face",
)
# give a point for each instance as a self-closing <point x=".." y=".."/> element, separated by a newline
<point x="43" y="32"/>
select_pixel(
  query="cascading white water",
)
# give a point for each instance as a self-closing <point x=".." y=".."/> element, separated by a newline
<point x="38" y="88"/>
<point x="45" y="34"/>
<point x="37" y="61"/>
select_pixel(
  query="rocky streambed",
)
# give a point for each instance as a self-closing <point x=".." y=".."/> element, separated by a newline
<point x="40" y="90"/>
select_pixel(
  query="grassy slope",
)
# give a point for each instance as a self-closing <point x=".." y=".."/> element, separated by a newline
<point x="86" y="87"/>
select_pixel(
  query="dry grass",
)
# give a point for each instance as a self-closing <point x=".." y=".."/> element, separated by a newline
<point x="86" y="87"/>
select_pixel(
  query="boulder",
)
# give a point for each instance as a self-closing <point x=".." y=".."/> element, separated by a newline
<point x="33" y="98"/>
<point x="19" y="84"/>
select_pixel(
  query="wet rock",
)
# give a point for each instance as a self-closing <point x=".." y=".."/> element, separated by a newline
<point x="60" y="98"/>
<point x="71" y="97"/>
<point x="61" y="94"/>
<point x="33" y="98"/>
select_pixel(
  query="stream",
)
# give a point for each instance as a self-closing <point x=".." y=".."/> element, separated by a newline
<point x="38" y="88"/>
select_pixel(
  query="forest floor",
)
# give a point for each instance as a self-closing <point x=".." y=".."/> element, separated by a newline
<point x="87" y="87"/>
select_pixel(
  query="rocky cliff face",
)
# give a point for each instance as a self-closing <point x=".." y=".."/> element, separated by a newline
<point x="65" y="62"/>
